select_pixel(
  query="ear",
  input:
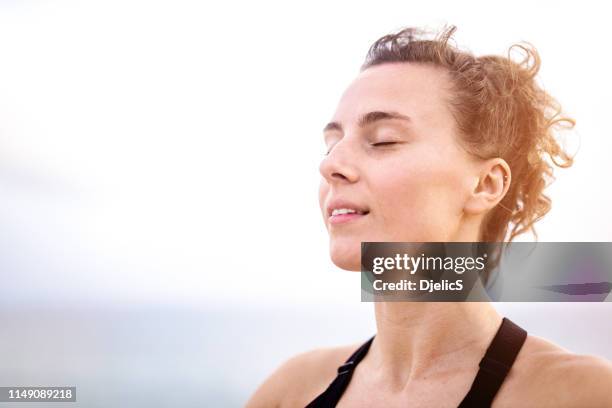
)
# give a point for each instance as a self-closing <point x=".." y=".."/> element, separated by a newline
<point x="490" y="186"/>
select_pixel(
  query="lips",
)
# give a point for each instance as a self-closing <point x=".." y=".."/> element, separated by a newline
<point x="344" y="218"/>
<point x="337" y="203"/>
<point x="358" y="210"/>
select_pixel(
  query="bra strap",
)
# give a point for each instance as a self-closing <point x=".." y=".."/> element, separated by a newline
<point x="331" y="396"/>
<point x="495" y="365"/>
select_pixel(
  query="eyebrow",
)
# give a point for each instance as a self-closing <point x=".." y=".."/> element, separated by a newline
<point x="369" y="118"/>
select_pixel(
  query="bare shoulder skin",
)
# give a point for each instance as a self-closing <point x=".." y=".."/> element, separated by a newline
<point x="301" y="378"/>
<point x="544" y="375"/>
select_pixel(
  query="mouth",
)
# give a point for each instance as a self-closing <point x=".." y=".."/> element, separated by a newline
<point x="345" y="215"/>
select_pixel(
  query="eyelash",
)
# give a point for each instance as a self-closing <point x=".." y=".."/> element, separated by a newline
<point x="383" y="143"/>
<point x="371" y="144"/>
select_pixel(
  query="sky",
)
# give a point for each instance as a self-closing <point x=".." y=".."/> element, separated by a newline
<point x="169" y="151"/>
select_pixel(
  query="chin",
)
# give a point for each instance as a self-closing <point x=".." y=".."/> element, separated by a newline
<point x="346" y="256"/>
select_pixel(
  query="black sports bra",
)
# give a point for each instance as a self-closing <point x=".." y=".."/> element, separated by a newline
<point x="494" y="368"/>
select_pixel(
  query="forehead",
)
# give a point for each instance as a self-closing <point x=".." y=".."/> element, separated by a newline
<point x="417" y="90"/>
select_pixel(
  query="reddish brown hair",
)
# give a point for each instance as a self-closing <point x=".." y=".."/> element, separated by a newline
<point x="500" y="111"/>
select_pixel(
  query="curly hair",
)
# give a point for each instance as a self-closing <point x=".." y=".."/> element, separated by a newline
<point x="500" y="111"/>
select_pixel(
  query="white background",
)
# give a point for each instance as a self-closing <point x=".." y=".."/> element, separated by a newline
<point x="164" y="156"/>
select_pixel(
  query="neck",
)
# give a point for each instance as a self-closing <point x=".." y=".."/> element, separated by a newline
<point x="414" y="338"/>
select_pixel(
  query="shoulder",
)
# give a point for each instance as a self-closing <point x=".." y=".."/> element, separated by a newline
<point x="584" y="380"/>
<point x="545" y="374"/>
<point x="301" y="378"/>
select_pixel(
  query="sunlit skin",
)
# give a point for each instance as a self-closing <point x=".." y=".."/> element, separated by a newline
<point x="422" y="187"/>
<point x="425" y="186"/>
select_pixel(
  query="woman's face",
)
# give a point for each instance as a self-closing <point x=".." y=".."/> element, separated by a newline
<point x="409" y="177"/>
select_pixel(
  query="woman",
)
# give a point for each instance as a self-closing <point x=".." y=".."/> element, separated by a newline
<point x="432" y="144"/>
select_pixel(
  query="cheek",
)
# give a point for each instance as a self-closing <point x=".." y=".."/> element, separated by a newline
<point x="417" y="200"/>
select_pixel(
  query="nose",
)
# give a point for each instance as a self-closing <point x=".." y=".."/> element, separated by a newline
<point x="339" y="165"/>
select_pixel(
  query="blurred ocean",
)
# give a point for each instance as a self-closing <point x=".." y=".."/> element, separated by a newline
<point x="211" y="355"/>
<point x="151" y="355"/>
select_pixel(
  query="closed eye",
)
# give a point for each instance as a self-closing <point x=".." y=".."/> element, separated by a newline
<point x="371" y="144"/>
<point x="383" y="143"/>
